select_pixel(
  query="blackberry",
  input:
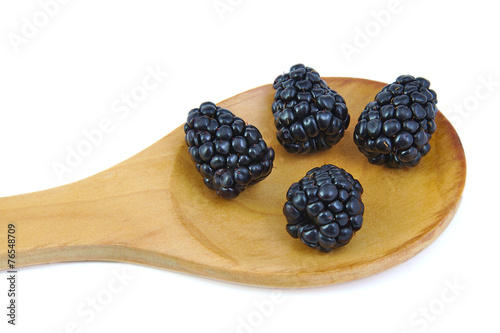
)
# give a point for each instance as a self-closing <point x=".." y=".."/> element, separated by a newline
<point x="229" y="154"/>
<point x="396" y="127"/>
<point x="324" y="209"/>
<point x="308" y="115"/>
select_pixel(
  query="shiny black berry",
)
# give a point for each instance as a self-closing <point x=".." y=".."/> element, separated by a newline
<point x="395" y="128"/>
<point x="229" y="154"/>
<point x="308" y="115"/>
<point x="324" y="209"/>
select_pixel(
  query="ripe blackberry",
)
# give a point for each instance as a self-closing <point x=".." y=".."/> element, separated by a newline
<point x="396" y="127"/>
<point x="229" y="154"/>
<point x="324" y="209"/>
<point x="308" y="115"/>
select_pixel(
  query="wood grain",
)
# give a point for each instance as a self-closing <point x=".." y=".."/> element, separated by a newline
<point x="154" y="209"/>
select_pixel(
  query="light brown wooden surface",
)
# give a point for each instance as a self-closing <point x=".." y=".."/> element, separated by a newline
<point x="154" y="209"/>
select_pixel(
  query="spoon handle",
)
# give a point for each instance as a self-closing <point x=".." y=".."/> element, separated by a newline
<point x="97" y="218"/>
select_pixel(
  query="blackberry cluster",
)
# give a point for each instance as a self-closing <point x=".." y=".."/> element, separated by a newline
<point x="324" y="209"/>
<point x="229" y="154"/>
<point x="396" y="127"/>
<point x="308" y="115"/>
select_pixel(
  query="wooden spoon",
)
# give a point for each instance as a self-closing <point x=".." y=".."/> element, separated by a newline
<point x="154" y="209"/>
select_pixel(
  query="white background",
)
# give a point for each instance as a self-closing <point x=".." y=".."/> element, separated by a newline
<point x="65" y="75"/>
